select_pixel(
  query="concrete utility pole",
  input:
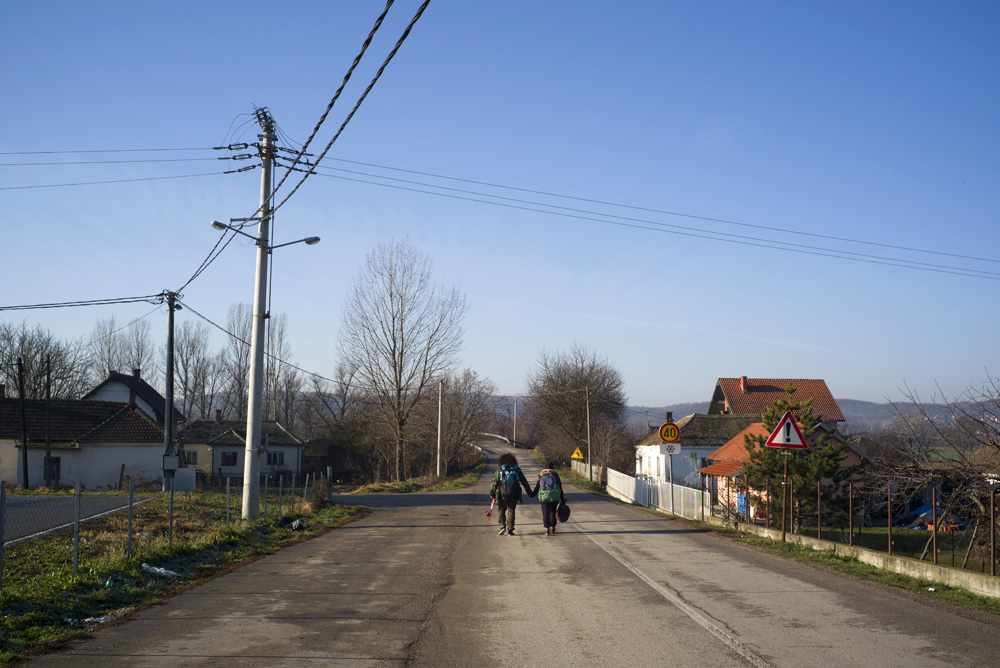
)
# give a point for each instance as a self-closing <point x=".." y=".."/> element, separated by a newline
<point x="514" y="438"/>
<point x="48" y="422"/>
<point x="440" y="405"/>
<point x="590" y="462"/>
<point x="24" y="426"/>
<point x="251" y="464"/>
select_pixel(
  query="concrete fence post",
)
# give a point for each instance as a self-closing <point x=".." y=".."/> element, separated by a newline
<point x="76" y="531"/>
<point x="3" y="519"/>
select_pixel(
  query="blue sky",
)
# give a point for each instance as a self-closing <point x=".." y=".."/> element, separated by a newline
<point x="873" y="122"/>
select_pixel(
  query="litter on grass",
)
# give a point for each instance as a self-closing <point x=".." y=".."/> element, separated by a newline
<point x="156" y="570"/>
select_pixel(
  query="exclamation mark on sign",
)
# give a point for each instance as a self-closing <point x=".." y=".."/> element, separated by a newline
<point x="788" y="432"/>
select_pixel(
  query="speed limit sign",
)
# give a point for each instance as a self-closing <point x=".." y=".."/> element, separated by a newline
<point x="669" y="432"/>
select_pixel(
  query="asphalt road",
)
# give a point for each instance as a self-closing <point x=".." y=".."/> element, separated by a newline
<point x="426" y="581"/>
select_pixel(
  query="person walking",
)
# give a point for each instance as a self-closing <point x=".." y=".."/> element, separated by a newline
<point x="506" y="489"/>
<point x="549" y="491"/>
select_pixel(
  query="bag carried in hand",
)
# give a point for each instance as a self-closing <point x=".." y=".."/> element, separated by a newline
<point x="509" y="482"/>
<point x="562" y="512"/>
<point x="548" y="488"/>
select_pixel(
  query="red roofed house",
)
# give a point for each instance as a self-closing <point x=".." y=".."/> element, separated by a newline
<point x="753" y="396"/>
<point x="725" y="464"/>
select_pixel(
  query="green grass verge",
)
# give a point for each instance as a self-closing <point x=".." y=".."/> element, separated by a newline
<point x="44" y="604"/>
<point x="428" y="484"/>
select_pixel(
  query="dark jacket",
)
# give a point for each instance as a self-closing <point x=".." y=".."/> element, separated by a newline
<point x="495" y="485"/>
<point x="562" y="492"/>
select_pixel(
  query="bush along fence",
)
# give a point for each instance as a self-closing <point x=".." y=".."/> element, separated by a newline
<point x="673" y="498"/>
<point x="28" y="517"/>
<point x="879" y="518"/>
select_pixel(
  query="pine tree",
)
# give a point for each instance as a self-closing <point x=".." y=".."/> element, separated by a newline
<point x="821" y="461"/>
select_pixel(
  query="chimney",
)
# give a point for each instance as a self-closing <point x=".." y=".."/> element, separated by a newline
<point x="137" y="373"/>
<point x="218" y="414"/>
<point x="131" y="396"/>
<point x="743" y="384"/>
<point x="670" y="416"/>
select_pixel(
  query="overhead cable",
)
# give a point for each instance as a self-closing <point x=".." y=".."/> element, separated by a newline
<point x="706" y="234"/>
<point x="660" y="211"/>
<point x="378" y="75"/>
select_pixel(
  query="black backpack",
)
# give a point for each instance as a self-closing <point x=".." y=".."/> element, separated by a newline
<point x="509" y="482"/>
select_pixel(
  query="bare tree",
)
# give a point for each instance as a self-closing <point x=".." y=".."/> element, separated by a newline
<point x="282" y="382"/>
<point x="107" y="349"/>
<point x="192" y="367"/>
<point x="117" y="348"/>
<point x="952" y="445"/>
<point x="466" y="411"/>
<point x="140" y="352"/>
<point x="236" y="361"/>
<point x="400" y="331"/>
<point x="68" y="360"/>
<point x="558" y="390"/>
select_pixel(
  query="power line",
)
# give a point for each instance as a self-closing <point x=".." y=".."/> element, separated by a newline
<point x="90" y="302"/>
<point x="378" y="75"/>
<point x="107" y="162"/>
<point x="107" y="150"/>
<point x="247" y="343"/>
<point x="653" y="210"/>
<point x="702" y="234"/>
<point x="653" y="222"/>
<point x="94" y="183"/>
<point x="336" y="96"/>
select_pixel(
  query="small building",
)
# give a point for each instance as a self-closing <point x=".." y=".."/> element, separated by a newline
<point x="95" y="443"/>
<point x="699" y="436"/>
<point x="216" y="448"/>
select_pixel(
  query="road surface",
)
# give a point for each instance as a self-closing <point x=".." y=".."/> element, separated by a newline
<point x="426" y="581"/>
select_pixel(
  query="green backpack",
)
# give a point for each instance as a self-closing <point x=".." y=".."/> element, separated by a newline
<point x="548" y="488"/>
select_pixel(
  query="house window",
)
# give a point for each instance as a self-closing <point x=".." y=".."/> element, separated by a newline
<point x="190" y="458"/>
<point x="276" y="459"/>
<point x="228" y="458"/>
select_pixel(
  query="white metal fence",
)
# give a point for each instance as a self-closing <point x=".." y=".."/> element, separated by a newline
<point x="651" y="493"/>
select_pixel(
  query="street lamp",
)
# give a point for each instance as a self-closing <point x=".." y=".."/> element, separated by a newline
<point x="308" y="241"/>
<point x="251" y="464"/>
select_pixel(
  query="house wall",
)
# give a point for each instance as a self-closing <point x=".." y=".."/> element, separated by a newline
<point x="204" y="456"/>
<point x="292" y="460"/>
<point x="121" y="392"/>
<point x="96" y="466"/>
<point x="650" y="462"/>
<point x="9" y="462"/>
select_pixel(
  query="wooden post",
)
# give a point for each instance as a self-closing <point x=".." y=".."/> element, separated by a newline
<point x="819" y="512"/>
<point x="850" y="514"/>
<point x="934" y="521"/>
<point x="889" y="496"/>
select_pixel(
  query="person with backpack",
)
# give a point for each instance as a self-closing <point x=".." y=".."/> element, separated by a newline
<point x="506" y="489"/>
<point x="549" y="491"/>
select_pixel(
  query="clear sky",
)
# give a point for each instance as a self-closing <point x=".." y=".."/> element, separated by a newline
<point x="795" y="122"/>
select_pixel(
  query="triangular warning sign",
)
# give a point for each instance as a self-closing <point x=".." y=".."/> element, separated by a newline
<point x="787" y="434"/>
<point x="577" y="454"/>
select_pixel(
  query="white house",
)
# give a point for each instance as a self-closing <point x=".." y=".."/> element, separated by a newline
<point x="700" y="436"/>
<point x="94" y="443"/>
<point x="134" y="390"/>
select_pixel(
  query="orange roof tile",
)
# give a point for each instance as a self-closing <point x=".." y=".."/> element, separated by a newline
<point x="753" y="396"/>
